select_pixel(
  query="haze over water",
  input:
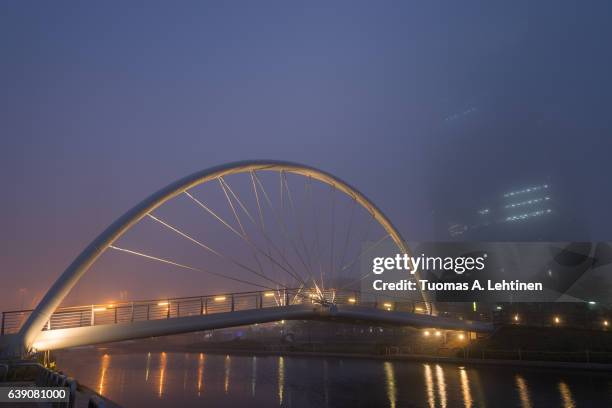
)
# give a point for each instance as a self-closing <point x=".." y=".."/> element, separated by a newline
<point x="158" y="379"/>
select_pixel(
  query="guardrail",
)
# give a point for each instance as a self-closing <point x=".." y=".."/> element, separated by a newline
<point x="126" y="312"/>
<point x="41" y="376"/>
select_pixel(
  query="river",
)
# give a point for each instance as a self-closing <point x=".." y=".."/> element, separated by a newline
<point x="161" y="379"/>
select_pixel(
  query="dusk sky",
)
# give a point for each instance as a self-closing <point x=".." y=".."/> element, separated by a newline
<point x="422" y="106"/>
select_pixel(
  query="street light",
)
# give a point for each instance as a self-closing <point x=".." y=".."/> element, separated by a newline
<point x="516" y="317"/>
<point x="426" y="333"/>
<point x="557" y="320"/>
<point x="461" y="336"/>
<point x="438" y="333"/>
<point x="606" y="323"/>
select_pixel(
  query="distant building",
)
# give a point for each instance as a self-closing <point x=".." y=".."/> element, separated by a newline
<point x="530" y="213"/>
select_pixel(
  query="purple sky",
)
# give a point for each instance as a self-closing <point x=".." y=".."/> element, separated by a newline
<point x="420" y="106"/>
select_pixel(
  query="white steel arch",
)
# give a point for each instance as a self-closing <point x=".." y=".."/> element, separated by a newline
<point x="62" y="286"/>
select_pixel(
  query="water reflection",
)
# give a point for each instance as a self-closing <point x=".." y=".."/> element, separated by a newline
<point x="480" y="400"/>
<point x="441" y="385"/>
<point x="148" y="365"/>
<point x="226" y="380"/>
<point x="263" y="381"/>
<point x="103" y="367"/>
<point x="429" y="386"/>
<point x="200" y="373"/>
<point x="523" y="392"/>
<point x="186" y="356"/>
<point x="162" y="373"/>
<point x="566" y="396"/>
<point x="390" y="380"/>
<point x="281" y="379"/>
<point x="465" y="388"/>
<point x="253" y="375"/>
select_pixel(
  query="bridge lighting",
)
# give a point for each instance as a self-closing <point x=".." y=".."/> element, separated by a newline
<point x="426" y="333"/>
<point x="99" y="309"/>
<point x="162" y="304"/>
<point x="438" y="333"/>
<point x="220" y="298"/>
<point x="352" y="300"/>
<point x="269" y="294"/>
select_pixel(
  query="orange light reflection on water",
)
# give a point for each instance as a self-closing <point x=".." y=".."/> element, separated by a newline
<point x="200" y="373"/>
<point x="162" y="373"/>
<point x="103" y="368"/>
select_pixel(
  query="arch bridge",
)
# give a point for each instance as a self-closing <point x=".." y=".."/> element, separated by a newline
<point x="302" y="236"/>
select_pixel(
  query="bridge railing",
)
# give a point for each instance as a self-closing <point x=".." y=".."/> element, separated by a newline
<point x="128" y="312"/>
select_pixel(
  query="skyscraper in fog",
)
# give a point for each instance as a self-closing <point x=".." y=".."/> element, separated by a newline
<point x="534" y="212"/>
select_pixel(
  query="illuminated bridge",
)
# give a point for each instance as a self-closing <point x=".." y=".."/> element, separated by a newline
<point x="83" y="325"/>
<point x="297" y="236"/>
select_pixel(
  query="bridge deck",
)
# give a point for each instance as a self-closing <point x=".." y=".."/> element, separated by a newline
<point x="81" y="325"/>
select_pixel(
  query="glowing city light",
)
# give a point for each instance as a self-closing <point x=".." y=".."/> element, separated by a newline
<point x="352" y="300"/>
<point x="606" y="323"/>
<point x="528" y="215"/>
<point x="526" y="190"/>
<point x="557" y="320"/>
<point x="516" y="318"/>
<point x="268" y="294"/>
<point x="426" y="333"/>
<point x="438" y="333"/>
<point x="162" y="304"/>
<point x="461" y="336"/>
<point x="99" y="309"/>
<point x="220" y="298"/>
<point x="528" y="202"/>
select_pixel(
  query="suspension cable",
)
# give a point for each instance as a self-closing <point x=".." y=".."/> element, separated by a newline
<point x="206" y="247"/>
<point x="167" y="261"/>
<point x="248" y="242"/>
<point x="300" y="232"/>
